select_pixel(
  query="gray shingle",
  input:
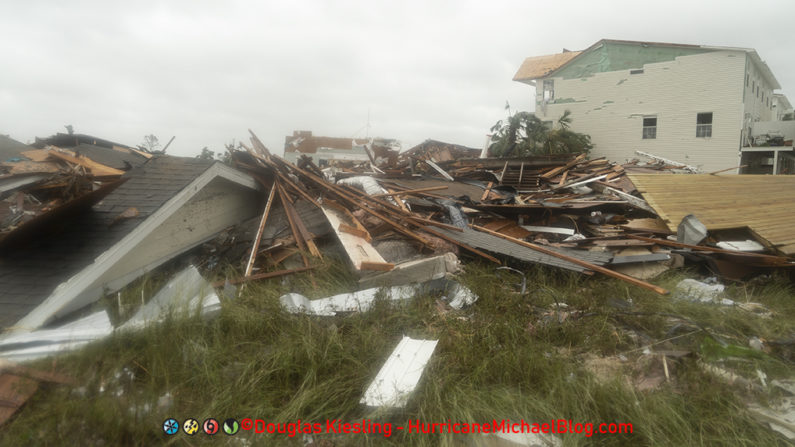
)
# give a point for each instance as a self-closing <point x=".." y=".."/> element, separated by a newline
<point x="28" y="275"/>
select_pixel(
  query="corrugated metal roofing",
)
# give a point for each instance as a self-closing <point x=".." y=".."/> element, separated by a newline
<point x="761" y="202"/>
<point x="540" y="66"/>
<point x="494" y="244"/>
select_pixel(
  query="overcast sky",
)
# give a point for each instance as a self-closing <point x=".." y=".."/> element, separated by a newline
<point x="206" y="71"/>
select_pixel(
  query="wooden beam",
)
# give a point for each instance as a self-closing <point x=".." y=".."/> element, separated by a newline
<point x="345" y="228"/>
<point x="376" y="266"/>
<point x="434" y="223"/>
<point x="485" y="192"/>
<point x="346" y="197"/>
<point x="553" y="172"/>
<point x="580" y="262"/>
<point x="563" y="178"/>
<point x="96" y="169"/>
<point x="262" y="276"/>
<point x="410" y="191"/>
<point x="399" y="202"/>
<point x="260" y="229"/>
<point x="299" y="239"/>
<point x="258" y="144"/>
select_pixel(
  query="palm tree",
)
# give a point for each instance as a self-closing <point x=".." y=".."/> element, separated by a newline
<point x="524" y="134"/>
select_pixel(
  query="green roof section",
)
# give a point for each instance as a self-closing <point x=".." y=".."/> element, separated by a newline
<point x="615" y="56"/>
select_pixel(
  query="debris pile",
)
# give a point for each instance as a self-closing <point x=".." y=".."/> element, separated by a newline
<point x="564" y="211"/>
<point x="81" y="222"/>
<point x="52" y="182"/>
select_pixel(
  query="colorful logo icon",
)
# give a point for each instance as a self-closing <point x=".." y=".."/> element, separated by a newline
<point x="231" y="426"/>
<point x="210" y="426"/>
<point x="190" y="426"/>
<point x="171" y="426"/>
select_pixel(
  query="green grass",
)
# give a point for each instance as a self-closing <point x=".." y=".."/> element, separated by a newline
<point x="506" y="357"/>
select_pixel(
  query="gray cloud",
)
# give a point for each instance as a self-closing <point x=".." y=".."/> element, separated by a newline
<point x="207" y="71"/>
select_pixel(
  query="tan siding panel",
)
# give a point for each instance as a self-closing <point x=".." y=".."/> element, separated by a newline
<point x="761" y="202"/>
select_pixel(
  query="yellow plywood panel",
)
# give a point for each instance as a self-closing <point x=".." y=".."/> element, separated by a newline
<point x="761" y="202"/>
<point x="540" y="66"/>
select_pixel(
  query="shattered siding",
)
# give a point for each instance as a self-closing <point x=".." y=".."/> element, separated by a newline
<point x="610" y="107"/>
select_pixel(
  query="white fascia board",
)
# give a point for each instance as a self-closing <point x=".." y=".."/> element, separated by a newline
<point x="46" y="342"/>
<point x="400" y="374"/>
<point x="233" y="175"/>
<point x="74" y="288"/>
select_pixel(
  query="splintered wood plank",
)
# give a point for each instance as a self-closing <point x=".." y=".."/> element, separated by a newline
<point x="14" y="392"/>
<point x="37" y="154"/>
<point x="486" y="191"/>
<point x="255" y="248"/>
<point x="555" y="171"/>
<point x="31" y="167"/>
<point x="345" y="228"/>
<point x="361" y="253"/>
<point x="96" y="169"/>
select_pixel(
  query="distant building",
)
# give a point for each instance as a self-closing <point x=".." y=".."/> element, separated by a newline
<point x="694" y="104"/>
<point x="323" y="150"/>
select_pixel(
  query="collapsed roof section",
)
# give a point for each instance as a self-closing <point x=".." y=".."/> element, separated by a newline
<point x="165" y="207"/>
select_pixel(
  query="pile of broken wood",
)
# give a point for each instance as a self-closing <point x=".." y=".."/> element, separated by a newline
<point x="581" y="215"/>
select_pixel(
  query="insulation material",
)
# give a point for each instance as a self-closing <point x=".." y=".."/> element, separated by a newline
<point x="400" y="374"/>
<point x="367" y="184"/>
<point x="457" y="296"/>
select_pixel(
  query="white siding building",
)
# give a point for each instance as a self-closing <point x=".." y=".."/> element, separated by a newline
<point x="689" y="103"/>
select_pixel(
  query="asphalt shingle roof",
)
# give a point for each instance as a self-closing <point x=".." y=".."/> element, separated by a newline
<point x="28" y="275"/>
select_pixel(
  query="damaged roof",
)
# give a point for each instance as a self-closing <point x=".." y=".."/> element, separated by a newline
<point x="28" y="276"/>
<point x="111" y="157"/>
<point x="762" y="203"/>
<point x="540" y="66"/>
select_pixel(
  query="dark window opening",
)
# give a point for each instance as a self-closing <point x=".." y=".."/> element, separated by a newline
<point x="549" y="90"/>
<point x="650" y="128"/>
<point x="636" y="72"/>
<point x="704" y="125"/>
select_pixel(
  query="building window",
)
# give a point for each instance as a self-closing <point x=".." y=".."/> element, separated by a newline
<point x="649" y="127"/>
<point x="704" y="125"/>
<point x="636" y="72"/>
<point x="549" y="90"/>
